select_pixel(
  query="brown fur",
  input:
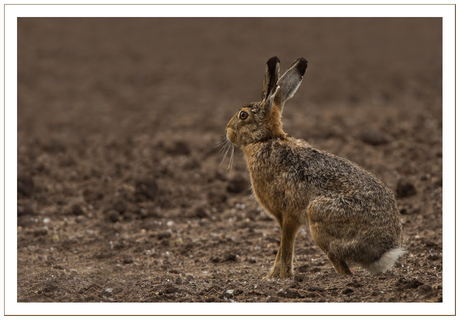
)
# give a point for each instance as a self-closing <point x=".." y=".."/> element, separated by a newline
<point x="353" y="217"/>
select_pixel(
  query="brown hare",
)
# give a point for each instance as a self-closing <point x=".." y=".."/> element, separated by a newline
<point x="353" y="217"/>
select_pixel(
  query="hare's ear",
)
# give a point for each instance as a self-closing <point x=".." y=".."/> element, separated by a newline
<point x="272" y="73"/>
<point x="290" y="82"/>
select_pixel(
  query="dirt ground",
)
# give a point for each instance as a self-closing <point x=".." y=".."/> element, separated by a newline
<point x="121" y="192"/>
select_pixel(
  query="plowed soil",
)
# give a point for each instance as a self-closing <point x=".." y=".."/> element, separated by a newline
<point x="121" y="192"/>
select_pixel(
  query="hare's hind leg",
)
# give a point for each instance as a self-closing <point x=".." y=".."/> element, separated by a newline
<point x="283" y="261"/>
<point x="322" y="239"/>
<point x="340" y="266"/>
<point x="326" y="232"/>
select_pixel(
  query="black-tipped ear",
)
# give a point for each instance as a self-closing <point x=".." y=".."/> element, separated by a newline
<point x="290" y="81"/>
<point x="272" y="73"/>
<point x="301" y="65"/>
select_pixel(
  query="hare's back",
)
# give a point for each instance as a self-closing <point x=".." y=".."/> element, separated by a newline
<point x="323" y="173"/>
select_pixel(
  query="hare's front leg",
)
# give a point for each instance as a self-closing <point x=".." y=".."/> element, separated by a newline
<point x="283" y="261"/>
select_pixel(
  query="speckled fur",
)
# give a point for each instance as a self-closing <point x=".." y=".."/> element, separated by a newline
<point x="353" y="217"/>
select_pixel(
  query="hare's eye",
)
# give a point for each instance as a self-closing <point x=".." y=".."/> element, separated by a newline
<point x="243" y="115"/>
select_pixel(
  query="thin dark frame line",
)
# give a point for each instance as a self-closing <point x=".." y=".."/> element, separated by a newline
<point x="232" y="315"/>
<point x="229" y="4"/>
<point x="4" y="159"/>
<point x="4" y="131"/>
<point x="455" y="188"/>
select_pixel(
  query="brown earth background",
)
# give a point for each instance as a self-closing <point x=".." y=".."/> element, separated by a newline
<point x="121" y="194"/>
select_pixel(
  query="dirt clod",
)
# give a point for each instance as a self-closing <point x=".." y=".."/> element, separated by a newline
<point x="178" y="148"/>
<point x="120" y="206"/>
<point x="303" y="268"/>
<point x="114" y="216"/>
<point x="373" y="137"/>
<point x="170" y="288"/>
<point x="405" y="189"/>
<point x="424" y="289"/>
<point x="163" y="235"/>
<point x="347" y="291"/>
<point x="77" y="210"/>
<point x="237" y="184"/>
<point x="200" y="213"/>
<point x="25" y="186"/>
<point x="146" y="189"/>
<point x="231" y="257"/>
<point x="216" y="198"/>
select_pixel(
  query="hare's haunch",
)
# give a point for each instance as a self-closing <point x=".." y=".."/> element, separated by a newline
<point x="352" y="216"/>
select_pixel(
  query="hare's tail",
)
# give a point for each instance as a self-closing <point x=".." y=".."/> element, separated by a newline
<point x="386" y="261"/>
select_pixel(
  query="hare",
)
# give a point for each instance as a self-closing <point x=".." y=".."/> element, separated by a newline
<point x="352" y="216"/>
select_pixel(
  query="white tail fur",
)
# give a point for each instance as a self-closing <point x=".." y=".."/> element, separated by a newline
<point x="385" y="262"/>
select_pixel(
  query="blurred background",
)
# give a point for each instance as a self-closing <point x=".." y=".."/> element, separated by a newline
<point x="118" y="120"/>
<point x="148" y="75"/>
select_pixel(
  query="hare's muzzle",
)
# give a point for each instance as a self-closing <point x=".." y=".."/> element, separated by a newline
<point x="231" y="130"/>
<point x="229" y="133"/>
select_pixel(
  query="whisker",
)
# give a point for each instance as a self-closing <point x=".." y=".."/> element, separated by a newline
<point x="221" y="143"/>
<point x="224" y="146"/>
<point x="230" y="163"/>
<point x="227" y="148"/>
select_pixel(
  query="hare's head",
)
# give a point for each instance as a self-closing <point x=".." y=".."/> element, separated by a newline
<point x="261" y="121"/>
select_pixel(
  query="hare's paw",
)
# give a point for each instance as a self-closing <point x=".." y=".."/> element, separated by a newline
<point x="286" y="273"/>
<point x="279" y="271"/>
<point x="274" y="272"/>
